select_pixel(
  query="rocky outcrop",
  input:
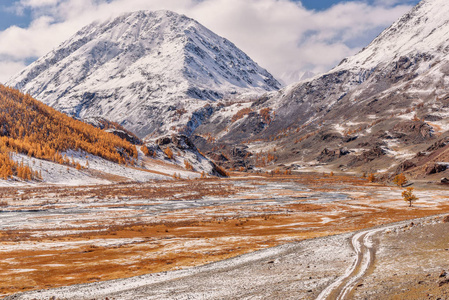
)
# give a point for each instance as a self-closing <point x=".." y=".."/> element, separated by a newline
<point x="328" y="155"/>
<point x="113" y="128"/>
<point x="434" y="168"/>
<point x="184" y="153"/>
<point x="404" y="166"/>
<point x="415" y="131"/>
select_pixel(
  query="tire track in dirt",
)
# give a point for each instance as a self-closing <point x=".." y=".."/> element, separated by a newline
<point x="364" y="248"/>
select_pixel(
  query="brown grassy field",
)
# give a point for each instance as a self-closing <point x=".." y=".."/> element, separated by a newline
<point x="56" y="236"/>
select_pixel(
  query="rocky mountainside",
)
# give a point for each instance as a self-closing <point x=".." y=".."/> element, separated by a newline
<point x="374" y="112"/>
<point x="147" y="71"/>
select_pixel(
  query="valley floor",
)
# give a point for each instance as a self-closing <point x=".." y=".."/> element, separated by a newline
<point x="53" y="237"/>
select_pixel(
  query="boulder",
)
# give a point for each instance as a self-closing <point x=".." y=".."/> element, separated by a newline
<point x="404" y="166"/>
<point x="434" y="168"/>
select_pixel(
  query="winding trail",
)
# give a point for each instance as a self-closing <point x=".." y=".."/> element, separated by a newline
<point x="364" y="248"/>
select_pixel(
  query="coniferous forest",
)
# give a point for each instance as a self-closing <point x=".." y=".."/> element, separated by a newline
<point x="30" y="127"/>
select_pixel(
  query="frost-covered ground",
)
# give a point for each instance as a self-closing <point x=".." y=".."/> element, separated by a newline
<point x="292" y="271"/>
<point x="301" y="270"/>
<point x="97" y="170"/>
<point x="104" y="232"/>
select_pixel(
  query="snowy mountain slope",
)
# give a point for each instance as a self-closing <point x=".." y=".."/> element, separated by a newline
<point x="100" y="171"/>
<point x="371" y="112"/>
<point x="147" y="71"/>
<point x="423" y="30"/>
<point x="411" y="51"/>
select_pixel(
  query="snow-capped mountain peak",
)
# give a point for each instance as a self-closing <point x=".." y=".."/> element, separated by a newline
<point x="141" y="68"/>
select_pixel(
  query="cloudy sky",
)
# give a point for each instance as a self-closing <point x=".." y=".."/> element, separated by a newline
<point x="287" y="37"/>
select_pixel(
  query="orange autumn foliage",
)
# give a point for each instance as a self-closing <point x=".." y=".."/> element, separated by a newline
<point x="240" y="114"/>
<point x="169" y="153"/>
<point x="30" y="127"/>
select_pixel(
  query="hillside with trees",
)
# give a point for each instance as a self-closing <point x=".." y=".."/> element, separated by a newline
<point x="32" y="128"/>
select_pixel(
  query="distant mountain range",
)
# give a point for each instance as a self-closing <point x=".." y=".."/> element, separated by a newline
<point x="383" y="110"/>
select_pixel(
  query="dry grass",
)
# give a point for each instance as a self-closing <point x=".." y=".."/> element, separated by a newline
<point x="120" y="246"/>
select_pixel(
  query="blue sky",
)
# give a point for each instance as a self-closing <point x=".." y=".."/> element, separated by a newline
<point x="325" y="4"/>
<point x="9" y="18"/>
<point x="319" y="4"/>
<point x="288" y="37"/>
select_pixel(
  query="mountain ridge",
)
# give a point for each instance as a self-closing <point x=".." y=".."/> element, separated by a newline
<point x="41" y="144"/>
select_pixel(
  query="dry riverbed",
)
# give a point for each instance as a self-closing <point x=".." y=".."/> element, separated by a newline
<point x="52" y="237"/>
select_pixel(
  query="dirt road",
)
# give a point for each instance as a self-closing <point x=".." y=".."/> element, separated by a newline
<point x="102" y="233"/>
<point x="364" y="251"/>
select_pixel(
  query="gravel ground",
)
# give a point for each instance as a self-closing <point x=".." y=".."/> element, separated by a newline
<point x="411" y="263"/>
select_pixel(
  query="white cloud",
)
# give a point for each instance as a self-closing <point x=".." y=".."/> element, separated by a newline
<point x="9" y="67"/>
<point x="281" y="35"/>
<point x="38" y="3"/>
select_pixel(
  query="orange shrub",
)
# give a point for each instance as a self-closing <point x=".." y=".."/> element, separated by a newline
<point x="188" y="165"/>
<point x="169" y="153"/>
<point x="265" y="113"/>
<point x="240" y="114"/>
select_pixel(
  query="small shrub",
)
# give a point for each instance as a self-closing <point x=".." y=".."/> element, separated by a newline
<point x="415" y="118"/>
<point x="169" y="153"/>
<point x="265" y="113"/>
<point x="188" y="165"/>
<point x="240" y="114"/>
<point x="146" y="151"/>
<point x="400" y="180"/>
<point x="409" y="196"/>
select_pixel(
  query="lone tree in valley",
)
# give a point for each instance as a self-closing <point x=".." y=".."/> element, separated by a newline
<point x="400" y="180"/>
<point x="409" y="196"/>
